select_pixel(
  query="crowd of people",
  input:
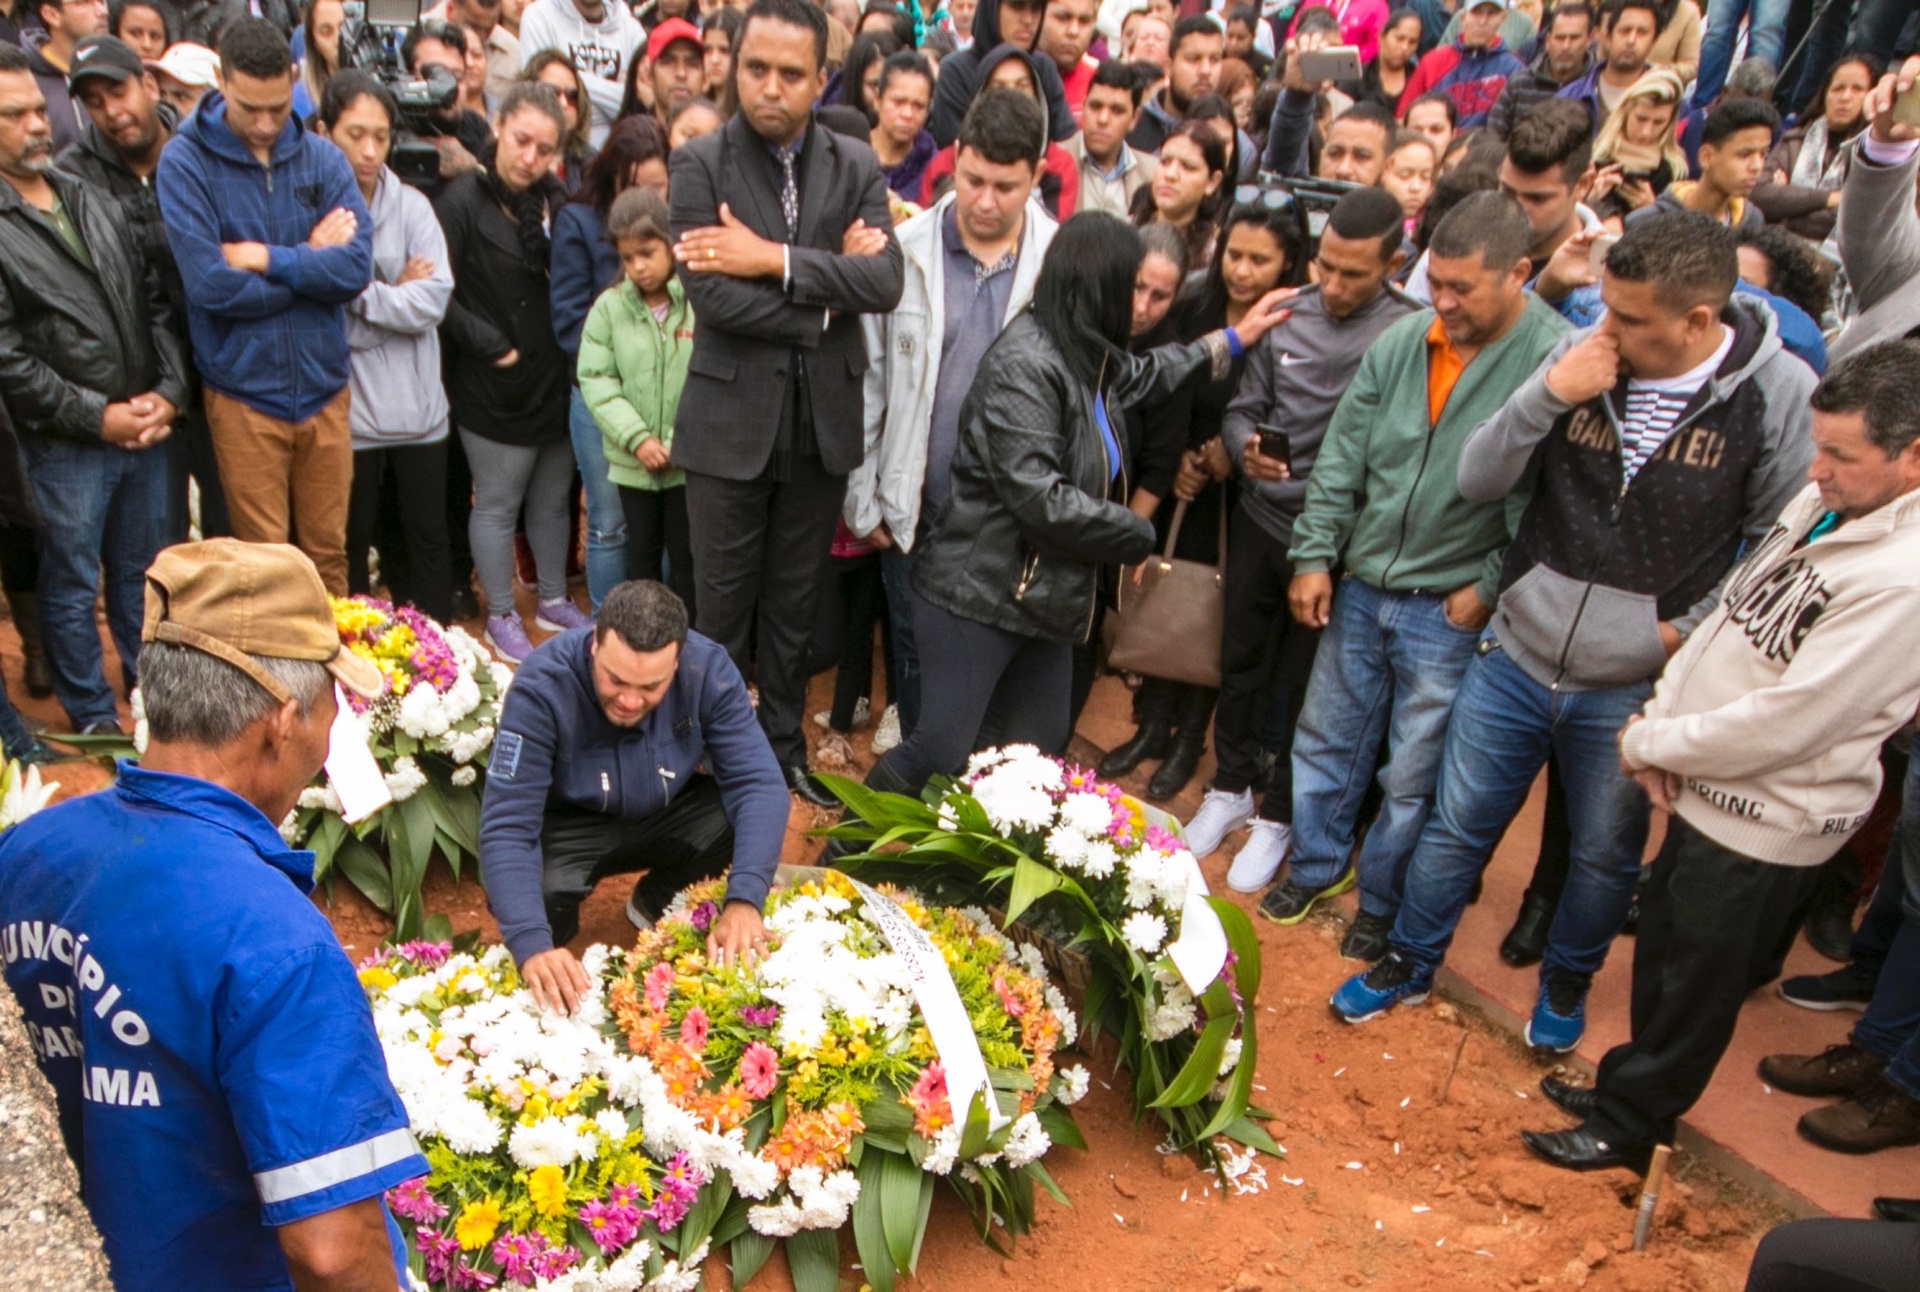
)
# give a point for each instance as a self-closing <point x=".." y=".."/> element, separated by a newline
<point x="1539" y="382"/>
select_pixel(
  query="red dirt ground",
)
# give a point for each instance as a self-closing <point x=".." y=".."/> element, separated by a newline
<point x="1396" y="1190"/>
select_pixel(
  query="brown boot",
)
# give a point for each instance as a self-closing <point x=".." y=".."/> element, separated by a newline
<point x="1880" y="1116"/>
<point x="1836" y="1072"/>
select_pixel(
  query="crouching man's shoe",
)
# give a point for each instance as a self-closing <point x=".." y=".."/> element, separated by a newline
<point x="1580" y="1149"/>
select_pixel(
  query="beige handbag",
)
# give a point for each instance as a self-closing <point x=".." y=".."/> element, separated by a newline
<point x="1170" y="625"/>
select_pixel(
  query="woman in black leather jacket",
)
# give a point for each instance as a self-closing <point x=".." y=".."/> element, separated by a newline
<point x="1004" y="585"/>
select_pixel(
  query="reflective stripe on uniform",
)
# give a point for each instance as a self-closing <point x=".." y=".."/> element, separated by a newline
<point x="316" y="1173"/>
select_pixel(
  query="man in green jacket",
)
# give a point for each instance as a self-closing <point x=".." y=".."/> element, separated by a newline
<point x="1421" y="563"/>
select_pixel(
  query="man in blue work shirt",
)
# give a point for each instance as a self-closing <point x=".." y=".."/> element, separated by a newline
<point x="596" y="771"/>
<point x="220" y="1083"/>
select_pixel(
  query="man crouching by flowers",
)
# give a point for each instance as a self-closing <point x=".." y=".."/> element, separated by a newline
<point x="597" y="770"/>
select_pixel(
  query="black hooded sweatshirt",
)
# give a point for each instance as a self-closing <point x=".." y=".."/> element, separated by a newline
<point x="961" y="75"/>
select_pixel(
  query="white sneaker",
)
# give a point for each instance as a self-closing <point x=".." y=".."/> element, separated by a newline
<point x="887" y="735"/>
<point x="1255" y="865"/>
<point x="1220" y="815"/>
<point x="862" y="710"/>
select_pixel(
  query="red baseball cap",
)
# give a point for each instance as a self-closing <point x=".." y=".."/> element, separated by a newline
<point x="669" y="31"/>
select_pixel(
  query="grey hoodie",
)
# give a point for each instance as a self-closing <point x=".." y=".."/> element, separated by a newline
<point x="393" y="335"/>
<point x="1598" y="562"/>
<point x="1292" y="381"/>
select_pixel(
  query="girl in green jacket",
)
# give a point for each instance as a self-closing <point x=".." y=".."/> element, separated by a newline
<point x="633" y="364"/>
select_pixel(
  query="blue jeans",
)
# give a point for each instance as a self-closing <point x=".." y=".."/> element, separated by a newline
<point x="1890" y="934"/>
<point x="1388" y="664"/>
<point x="606" y="522"/>
<point x="105" y="509"/>
<point x="1766" y="38"/>
<point x="1504" y="725"/>
<point x="896" y="575"/>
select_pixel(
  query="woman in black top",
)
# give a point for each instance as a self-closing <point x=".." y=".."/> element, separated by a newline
<point x="506" y="377"/>
<point x="1383" y="80"/>
<point x="1004" y="584"/>
<point x="1260" y="249"/>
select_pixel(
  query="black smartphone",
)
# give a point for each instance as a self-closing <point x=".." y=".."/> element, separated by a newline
<point x="1274" y="444"/>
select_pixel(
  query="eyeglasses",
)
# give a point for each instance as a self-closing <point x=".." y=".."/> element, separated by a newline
<point x="567" y="95"/>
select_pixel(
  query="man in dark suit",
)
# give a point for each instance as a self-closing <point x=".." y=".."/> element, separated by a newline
<point x="783" y="236"/>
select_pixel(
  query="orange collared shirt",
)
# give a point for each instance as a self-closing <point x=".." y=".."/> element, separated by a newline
<point x="1444" y="366"/>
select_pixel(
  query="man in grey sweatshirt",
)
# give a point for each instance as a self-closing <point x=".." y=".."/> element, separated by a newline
<point x="1294" y="378"/>
<point x="1652" y="447"/>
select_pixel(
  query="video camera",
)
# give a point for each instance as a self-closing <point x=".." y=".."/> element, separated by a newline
<point x="1310" y="201"/>
<point x="370" y="40"/>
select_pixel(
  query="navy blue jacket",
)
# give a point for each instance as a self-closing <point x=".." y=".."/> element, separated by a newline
<point x="277" y="341"/>
<point x="555" y="746"/>
<point x="583" y="265"/>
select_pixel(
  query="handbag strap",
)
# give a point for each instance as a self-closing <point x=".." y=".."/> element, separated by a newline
<point x="1180" y="518"/>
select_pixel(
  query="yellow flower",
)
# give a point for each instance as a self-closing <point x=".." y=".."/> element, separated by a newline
<point x="547" y="1187"/>
<point x="476" y="1225"/>
<point x="378" y="977"/>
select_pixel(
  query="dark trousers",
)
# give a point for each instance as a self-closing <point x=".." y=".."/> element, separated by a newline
<point x="1714" y="925"/>
<point x="1827" y="1255"/>
<point x="758" y="548"/>
<point x="853" y="602"/>
<point x="423" y="575"/>
<point x="968" y="668"/>
<point x="656" y="529"/>
<point x="190" y="457"/>
<point x="691" y="840"/>
<point x="1265" y="658"/>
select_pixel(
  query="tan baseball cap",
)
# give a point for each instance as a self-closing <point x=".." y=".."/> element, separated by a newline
<point x="233" y="599"/>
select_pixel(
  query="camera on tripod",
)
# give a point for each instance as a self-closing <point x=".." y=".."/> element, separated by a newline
<point x="370" y="40"/>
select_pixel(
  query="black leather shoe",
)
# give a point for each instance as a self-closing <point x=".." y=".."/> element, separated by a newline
<point x="1829" y="929"/>
<point x="1178" y="767"/>
<point x="1574" y="1101"/>
<point x="1580" y="1149"/>
<point x="1150" y="740"/>
<point x="1526" y="941"/>
<point x="801" y="782"/>
<point x="1903" y="1211"/>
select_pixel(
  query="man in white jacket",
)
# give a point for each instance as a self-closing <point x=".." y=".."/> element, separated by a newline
<point x="971" y="262"/>
<point x="600" y="36"/>
<point x="1763" y="740"/>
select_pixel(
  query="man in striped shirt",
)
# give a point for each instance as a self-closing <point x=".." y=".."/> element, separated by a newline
<point x="1645" y="451"/>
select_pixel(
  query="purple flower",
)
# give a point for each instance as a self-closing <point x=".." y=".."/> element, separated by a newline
<point x="411" y="1201"/>
<point x="440" y="1252"/>
<point x="668" y="1210"/>
<point x="760" y="1015"/>
<point x="466" y="1276"/>
<point x="614" y="1223"/>
<point x="702" y="916"/>
<point x="552" y="1264"/>
<point x="682" y="1178"/>
<point x="1160" y="841"/>
<point x="516" y="1255"/>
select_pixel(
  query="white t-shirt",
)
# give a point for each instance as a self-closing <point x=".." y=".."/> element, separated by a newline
<point x="602" y="51"/>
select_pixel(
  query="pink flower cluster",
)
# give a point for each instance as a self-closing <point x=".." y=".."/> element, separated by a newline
<point x="659" y="986"/>
<point x="760" y="1016"/>
<point x="615" y="1222"/>
<point x="702" y="916"/>
<point x="527" y="1258"/>
<point x="411" y="1201"/>
<point x="759" y="1066"/>
<point x="679" y="1185"/>
<point x="426" y="955"/>
<point x="440" y="1252"/>
<point x="432" y="660"/>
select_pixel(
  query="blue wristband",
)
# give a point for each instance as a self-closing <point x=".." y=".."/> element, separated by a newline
<point x="1234" y="346"/>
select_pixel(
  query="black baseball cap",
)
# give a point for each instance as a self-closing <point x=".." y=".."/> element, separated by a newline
<point x="107" y="56"/>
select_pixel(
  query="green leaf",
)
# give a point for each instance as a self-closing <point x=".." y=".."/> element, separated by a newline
<point x="705" y="1211"/>
<point x="1252" y="1135"/>
<point x="732" y="1224"/>
<point x="1031" y="882"/>
<point x="869" y="1227"/>
<point x="920" y="1220"/>
<point x="1039" y="1173"/>
<point x="900" y="1206"/>
<point x="1202" y="1068"/>
<point x="366" y="871"/>
<point x="749" y="1251"/>
<point x="1059" y="1125"/>
<point x="974" y="1133"/>
<point x="1245" y="944"/>
<point x="437" y="928"/>
<point x="418" y="814"/>
<point x="813" y="1258"/>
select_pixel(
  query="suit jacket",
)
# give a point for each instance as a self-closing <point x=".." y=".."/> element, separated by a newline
<point x="746" y="331"/>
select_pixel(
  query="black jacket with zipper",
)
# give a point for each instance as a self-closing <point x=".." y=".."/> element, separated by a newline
<point x="92" y="158"/>
<point x="1033" y="515"/>
<point x="1599" y="561"/>
<point x="74" y="339"/>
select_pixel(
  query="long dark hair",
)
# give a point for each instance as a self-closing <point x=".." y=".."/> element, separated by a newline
<point x="576" y="145"/>
<point x="631" y="141"/>
<point x="1206" y="220"/>
<point x="866" y="50"/>
<point x="1817" y="106"/>
<point x="1204" y="307"/>
<point x="1083" y="298"/>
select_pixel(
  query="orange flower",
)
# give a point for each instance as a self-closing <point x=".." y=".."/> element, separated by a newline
<point x="731" y="1106"/>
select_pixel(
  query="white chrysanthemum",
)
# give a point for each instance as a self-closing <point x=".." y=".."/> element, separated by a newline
<point x="1067" y="848"/>
<point x="944" y="1151"/>
<point x="1230" y="1056"/>
<point x="1100" y="860"/>
<point x="1144" y="932"/>
<point x="549" y="1142"/>
<point x="467" y="1128"/>
<point x="464" y="775"/>
<point x="1070" y="1086"/>
<point x="1089" y="814"/>
<point x="1144" y="872"/>
<point x="776" y="1219"/>
<point x="983" y="761"/>
<point x="422" y="715"/>
<point x="1028" y="1141"/>
<point x="1069" y="1025"/>
<point x="405" y="780"/>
